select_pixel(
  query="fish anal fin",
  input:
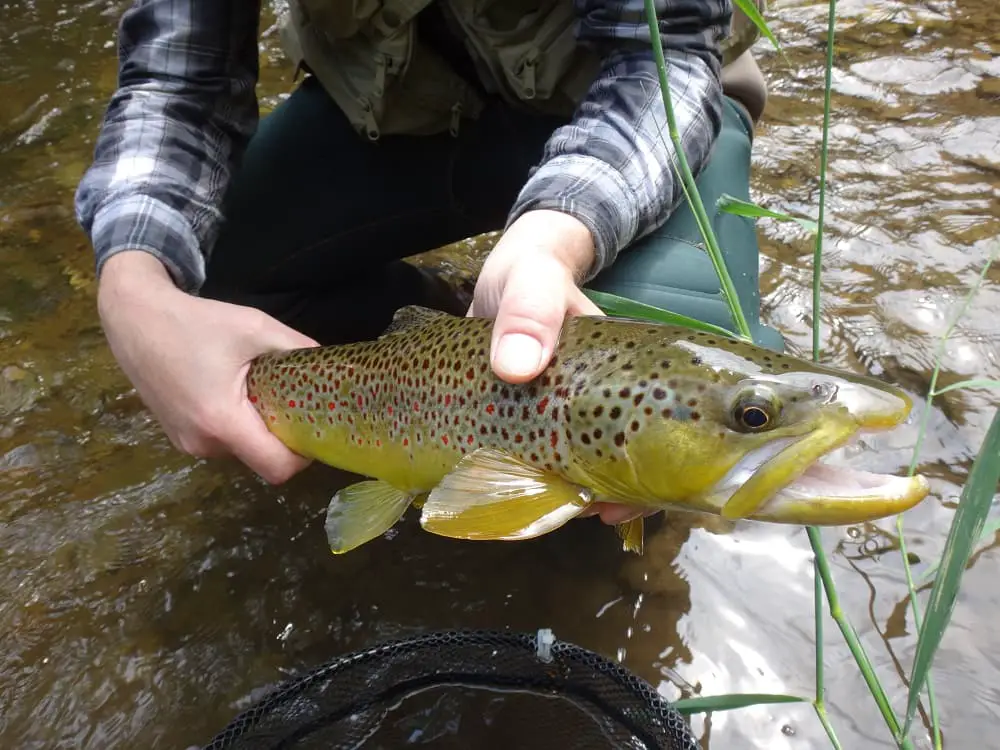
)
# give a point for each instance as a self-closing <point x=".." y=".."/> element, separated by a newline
<point x="631" y="534"/>
<point x="411" y="316"/>
<point x="491" y="494"/>
<point x="362" y="511"/>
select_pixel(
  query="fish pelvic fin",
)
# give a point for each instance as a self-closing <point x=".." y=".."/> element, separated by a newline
<point x="631" y="534"/>
<point x="491" y="494"/>
<point x="411" y="316"/>
<point x="362" y="511"/>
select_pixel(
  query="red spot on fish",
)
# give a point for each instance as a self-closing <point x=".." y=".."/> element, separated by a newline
<point x="469" y="439"/>
<point x="554" y="439"/>
<point x="416" y="406"/>
<point x="360" y="401"/>
<point x="542" y="405"/>
<point x="519" y="438"/>
<point x="253" y="399"/>
<point x="447" y="399"/>
<point x="310" y="417"/>
<point x="390" y="410"/>
<point x="274" y="418"/>
<point x="444" y="439"/>
<point x="470" y="374"/>
<point x="331" y="406"/>
<point x="309" y="397"/>
<point x="406" y="442"/>
<point x="291" y="403"/>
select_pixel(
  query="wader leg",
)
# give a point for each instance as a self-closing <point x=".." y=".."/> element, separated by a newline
<point x="668" y="268"/>
<point x="317" y="218"/>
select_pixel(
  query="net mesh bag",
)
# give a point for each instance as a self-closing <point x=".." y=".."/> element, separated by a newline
<point x="463" y="689"/>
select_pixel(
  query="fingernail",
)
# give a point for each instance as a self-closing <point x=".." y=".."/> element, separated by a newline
<point x="518" y="354"/>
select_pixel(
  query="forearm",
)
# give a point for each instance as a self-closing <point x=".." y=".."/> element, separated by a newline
<point x="182" y="115"/>
<point x="611" y="166"/>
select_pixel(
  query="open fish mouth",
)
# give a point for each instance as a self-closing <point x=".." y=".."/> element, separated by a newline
<point x="789" y="481"/>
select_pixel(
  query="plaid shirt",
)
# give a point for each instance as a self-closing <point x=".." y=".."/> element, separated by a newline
<point x="186" y="107"/>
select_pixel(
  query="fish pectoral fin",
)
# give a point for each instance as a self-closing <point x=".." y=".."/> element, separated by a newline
<point x="361" y="512"/>
<point x="493" y="495"/>
<point x="410" y="316"/>
<point x="631" y="534"/>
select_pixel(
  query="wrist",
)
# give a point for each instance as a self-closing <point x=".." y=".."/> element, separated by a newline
<point x="131" y="274"/>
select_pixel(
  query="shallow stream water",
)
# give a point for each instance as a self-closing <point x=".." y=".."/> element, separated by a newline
<point x="146" y="597"/>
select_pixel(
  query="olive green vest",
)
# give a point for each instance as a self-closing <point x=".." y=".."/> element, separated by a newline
<point x="369" y="58"/>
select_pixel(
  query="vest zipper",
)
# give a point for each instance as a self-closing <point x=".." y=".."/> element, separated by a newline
<point x="371" y="126"/>
<point x="378" y="87"/>
<point x="527" y="74"/>
<point x="470" y="36"/>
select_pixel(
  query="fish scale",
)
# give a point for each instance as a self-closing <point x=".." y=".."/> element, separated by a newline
<point x="431" y="394"/>
<point x="632" y="412"/>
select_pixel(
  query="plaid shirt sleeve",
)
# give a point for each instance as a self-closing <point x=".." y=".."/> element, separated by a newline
<point x="183" y="112"/>
<point x="186" y="106"/>
<point x="611" y="166"/>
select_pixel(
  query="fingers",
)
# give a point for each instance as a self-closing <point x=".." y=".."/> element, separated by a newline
<point x="253" y="444"/>
<point x="613" y="514"/>
<point x="528" y="321"/>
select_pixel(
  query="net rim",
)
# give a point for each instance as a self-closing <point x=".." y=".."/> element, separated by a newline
<point x="551" y="654"/>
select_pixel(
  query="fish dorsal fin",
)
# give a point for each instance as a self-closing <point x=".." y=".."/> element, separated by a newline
<point x="412" y="316"/>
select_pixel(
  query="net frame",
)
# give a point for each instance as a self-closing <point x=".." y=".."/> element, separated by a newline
<point x="506" y="661"/>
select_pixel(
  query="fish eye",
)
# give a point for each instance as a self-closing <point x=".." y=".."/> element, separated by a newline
<point x="754" y="411"/>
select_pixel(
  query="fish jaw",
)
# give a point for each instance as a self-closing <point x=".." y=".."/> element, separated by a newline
<point x="827" y="495"/>
<point x="787" y="482"/>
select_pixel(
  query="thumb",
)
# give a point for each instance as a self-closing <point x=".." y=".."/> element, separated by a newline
<point x="273" y="335"/>
<point x="528" y="321"/>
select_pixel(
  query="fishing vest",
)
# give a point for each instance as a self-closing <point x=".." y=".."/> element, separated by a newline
<point x="368" y="56"/>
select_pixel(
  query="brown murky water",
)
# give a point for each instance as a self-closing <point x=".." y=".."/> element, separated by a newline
<point x="146" y="597"/>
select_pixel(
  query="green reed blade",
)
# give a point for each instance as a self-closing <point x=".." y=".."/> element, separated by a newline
<point x="825" y="721"/>
<point x="751" y="11"/>
<point x="933" y="391"/>
<point x="688" y="184"/>
<point x="977" y="383"/>
<point x="729" y="701"/>
<point x="990" y="528"/>
<point x="623" y="307"/>
<point x="738" y="207"/>
<point x="966" y="528"/>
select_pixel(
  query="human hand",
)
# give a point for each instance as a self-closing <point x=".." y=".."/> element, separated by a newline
<point x="188" y="358"/>
<point x="529" y="284"/>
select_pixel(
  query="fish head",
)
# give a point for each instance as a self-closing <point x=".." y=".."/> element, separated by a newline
<point x="749" y="442"/>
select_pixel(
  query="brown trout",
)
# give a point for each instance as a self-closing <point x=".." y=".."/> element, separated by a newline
<point x="630" y="412"/>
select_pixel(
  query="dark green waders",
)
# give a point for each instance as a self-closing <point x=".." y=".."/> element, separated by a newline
<point x="317" y="220"/>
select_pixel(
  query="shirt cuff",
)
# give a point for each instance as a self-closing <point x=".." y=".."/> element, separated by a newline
<point x="139" y="222"/>
<point x="591" y="191"/>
